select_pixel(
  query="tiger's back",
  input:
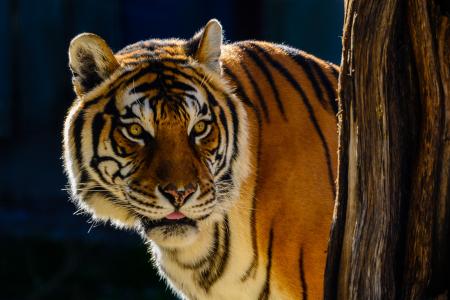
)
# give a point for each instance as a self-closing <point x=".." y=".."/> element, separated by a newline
<point x="291" y="97"/>
<point x="266" y="154"/>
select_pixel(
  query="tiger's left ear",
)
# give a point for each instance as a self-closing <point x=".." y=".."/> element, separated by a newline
<point x="209" y="45"/>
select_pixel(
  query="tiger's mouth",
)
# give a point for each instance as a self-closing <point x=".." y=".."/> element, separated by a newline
<point x="149" y="224"/>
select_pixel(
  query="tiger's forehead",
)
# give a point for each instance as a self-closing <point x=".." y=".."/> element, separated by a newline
<point x="152" y="49"/>
<point x="167" y="87"/>
<point x="160" y="97"/>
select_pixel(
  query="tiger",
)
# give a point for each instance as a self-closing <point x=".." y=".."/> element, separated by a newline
<point x="221" y="156"/>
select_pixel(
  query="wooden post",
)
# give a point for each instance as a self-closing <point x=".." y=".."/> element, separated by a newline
<point x="390" y="233"/>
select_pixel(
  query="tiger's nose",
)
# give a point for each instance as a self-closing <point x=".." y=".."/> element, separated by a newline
<point x="177" y="196"/>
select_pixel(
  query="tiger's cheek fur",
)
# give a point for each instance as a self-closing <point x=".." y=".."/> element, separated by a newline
<point x="105" y="210"/>
<point x="97" y="204"/>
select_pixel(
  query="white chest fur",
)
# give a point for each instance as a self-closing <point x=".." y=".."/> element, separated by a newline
<point x="214" y="266"/>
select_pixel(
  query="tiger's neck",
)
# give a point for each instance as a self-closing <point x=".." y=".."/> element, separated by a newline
<point x="224" y="255"/>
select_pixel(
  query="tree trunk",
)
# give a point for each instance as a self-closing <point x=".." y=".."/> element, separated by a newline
<point x="390" y="234"/>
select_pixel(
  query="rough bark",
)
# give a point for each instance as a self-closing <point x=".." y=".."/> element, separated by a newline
<point x="390" y="233"/>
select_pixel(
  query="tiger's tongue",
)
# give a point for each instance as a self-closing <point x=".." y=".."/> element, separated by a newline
<point x="176" y="215"/>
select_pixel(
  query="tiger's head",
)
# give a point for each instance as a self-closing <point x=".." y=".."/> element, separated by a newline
<point x="156" y="140"/>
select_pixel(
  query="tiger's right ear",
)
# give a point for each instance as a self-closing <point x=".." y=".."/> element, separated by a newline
<point x="206" y="45"/>
<point x="91" y="61"/>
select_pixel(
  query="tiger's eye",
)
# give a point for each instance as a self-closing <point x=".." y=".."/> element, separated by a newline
<point x="135" y="130"/>
<point x="199" y="127"/>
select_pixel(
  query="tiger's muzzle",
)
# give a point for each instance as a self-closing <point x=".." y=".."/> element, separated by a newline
<point x="177" y="197"/>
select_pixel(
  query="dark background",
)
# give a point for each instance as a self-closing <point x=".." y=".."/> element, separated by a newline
<point x="47" y="252"/>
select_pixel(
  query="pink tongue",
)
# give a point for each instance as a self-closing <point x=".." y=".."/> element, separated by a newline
<point x="176" y="215"/>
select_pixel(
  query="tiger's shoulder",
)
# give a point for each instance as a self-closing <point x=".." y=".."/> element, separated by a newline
<point x="244" y="60"/>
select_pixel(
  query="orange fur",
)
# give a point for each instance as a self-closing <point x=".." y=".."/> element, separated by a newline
<point x="267" y="239"/>
<point x="293" y="192"/>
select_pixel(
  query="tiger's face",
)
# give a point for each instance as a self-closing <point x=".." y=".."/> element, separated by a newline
<point x="163" y="155"/>
<point x="151" y="141"/>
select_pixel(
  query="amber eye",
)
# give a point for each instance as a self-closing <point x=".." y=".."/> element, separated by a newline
<point x="135" y="129"/>
<point x="200" y="127"/>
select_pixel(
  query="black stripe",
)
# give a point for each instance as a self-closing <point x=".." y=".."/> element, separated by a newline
<point x="77" y="128"/>
<point x="128" y="77"/>
<point x="95" y="164"/>
<point x="134" y="74"/>
<point x="181" y="86"/>
<point x="254" y="264"/>
<point x="77" y="134"/>
<point x="151" y="58"/>
<point x="135" y="187"/>
<point x="116" y="148"/>
<point x="96" y="128"/>
<point x="132" y="171"/>
<point x="308" y="107"/>
<point x="209" y="201"/>
<point x="226" y="248"/>
<point x="329" y="87"/>
<point x="202" y="194"/>
<point x="145" y="87"/>
<point x="302" y="276"/>
<point x="137" y="74"/>
<point x="268" y="75"/>
<point x="162" y="70"/>
<point x="235" y="122"/>
<point x="214" y="270"/>
<point x="146" y="209"/>
<point x="133" y="47"/>
<point x="129" y="114"/>
<point x="123" y="79"/>
<point x="334" y="70"/>
<point x="255" y="87"/>
<point x="265" y="293"/>
<point x="207" y="258"/>
<point x="224" y="123"/>
<point x="87" y="104"/>
<point x="149" y="45"/>
<point x="196" y="76"/>
<point x="243" y="96"/>
<point x="305" y="65"/>
<point x="240" y="90"/>
<point x="226" y="178"/>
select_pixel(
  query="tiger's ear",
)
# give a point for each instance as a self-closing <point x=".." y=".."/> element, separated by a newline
<point x="209" y="45"/>
<point x="91" y="62"/>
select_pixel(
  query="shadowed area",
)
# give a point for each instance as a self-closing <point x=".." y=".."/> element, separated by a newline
<point x="46" y="251"/>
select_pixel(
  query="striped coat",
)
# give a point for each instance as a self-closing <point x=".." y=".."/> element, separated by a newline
<point x="221" y="156"/>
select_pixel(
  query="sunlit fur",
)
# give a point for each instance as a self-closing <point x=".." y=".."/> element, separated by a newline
<point x="261" y="172"/>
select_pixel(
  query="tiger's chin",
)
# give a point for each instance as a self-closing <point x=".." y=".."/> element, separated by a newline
<point x="169" y="234"/>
